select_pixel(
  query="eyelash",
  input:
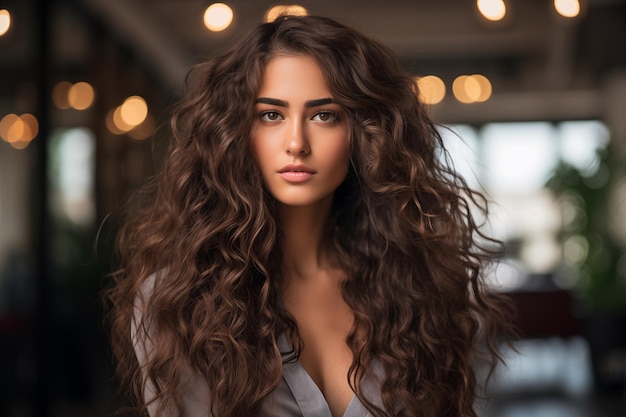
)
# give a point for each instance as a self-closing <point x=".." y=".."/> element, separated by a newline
<point x="333" y="116"/>
<point x="263" y="116"/>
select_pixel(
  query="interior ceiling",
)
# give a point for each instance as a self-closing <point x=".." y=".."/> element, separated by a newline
<point x="531" y="50"/>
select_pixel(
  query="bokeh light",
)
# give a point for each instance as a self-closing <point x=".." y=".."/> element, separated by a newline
<point x="485" y="87"/>
<point x="119" y="122"/>
<point x="459" y="91"/>
<point x="472" y="88"/>
<point x="134" y="111"/>
<point x="493" y="10"/>
<point x="431" y="88"/>
<point x="5" y="21"/>
<point x="32" y="123"/>
<point x="111" y="123"/>
<point x="19" y="131"/>
<point x="218" y="17"/>
<point x="5" y="124"/>
<point x="279" y="10"/>
<point x="567" y="8"/>
<point x="131" y="114"/>
<point x="575" y="250"/>
<point x="80" y="96"/>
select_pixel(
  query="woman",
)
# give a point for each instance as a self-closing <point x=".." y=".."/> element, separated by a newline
<point x="307" y="251"/>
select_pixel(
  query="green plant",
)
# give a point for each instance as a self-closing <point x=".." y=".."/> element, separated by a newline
<point x="591" y="229"/>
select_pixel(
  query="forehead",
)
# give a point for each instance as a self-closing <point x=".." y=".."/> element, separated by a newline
<point x="293" y="75"/>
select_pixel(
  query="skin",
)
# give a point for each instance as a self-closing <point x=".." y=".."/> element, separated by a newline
<point x="298" y="123"/>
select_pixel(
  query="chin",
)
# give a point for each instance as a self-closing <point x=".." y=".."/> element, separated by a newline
<point x="302" y="200"/>
<point x="291" y="202"/>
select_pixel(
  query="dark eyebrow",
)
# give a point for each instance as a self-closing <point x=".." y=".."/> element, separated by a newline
<point x="272" y="101"/>
<point x="283" y="103"/>
<point x="319" y="102"/>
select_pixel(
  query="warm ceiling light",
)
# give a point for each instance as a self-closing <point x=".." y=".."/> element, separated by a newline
<point x="218" y="17"/>
<point x="5" y="124"/>
<point x="492" y="9"/>
<point x="472" y="88"/>
<point x="112" y="124"/>
<point x="134" y="111"/>
<point x="484" y="85"/>
<point x="431" y="88"/>
<point x="567" y="8"/>
<point x="288" y="10"/>
<point x="19" y="131"/>
<point x="460" y="91"/>
<point x="119" y="123"/>
<point x="5" y="21"/>
<point x="32" y="123"/>
<point x="80" y="96"/>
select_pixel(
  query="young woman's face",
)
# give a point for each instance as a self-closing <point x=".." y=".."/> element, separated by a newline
<point x="300" y="136"/>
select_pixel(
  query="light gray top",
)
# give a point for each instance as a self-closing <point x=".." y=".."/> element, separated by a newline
<point x="297" y="395"/>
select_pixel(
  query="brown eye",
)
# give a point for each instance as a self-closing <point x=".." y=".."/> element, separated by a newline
<point x="325" y="116"/>
<point x="270" y="116"/>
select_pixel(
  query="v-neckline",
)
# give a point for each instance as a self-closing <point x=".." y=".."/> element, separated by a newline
<point x="308" y="394"/>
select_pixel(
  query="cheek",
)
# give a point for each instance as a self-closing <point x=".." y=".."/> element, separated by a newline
<point x="264" y="159"/>
<point x="339" y="159"/>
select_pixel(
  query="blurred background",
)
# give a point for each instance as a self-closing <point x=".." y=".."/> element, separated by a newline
<point x="531" y="98"/>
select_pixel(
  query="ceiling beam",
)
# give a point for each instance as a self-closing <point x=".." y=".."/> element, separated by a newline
<point x="524" y="106"/>
<point x="147" y="39"/>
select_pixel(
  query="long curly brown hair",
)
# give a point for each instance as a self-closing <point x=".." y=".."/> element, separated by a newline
<point x="407" y="238"/>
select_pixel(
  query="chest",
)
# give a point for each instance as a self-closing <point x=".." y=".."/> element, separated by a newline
<point x="324" y="320"/>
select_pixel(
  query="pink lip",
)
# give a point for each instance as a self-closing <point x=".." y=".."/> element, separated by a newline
<point x="296" y="173"/>
<point x="296" y="168"/>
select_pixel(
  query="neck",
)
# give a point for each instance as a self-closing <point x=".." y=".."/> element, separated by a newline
<point x="306" y="238"/>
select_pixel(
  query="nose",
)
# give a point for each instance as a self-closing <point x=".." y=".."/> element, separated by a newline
<point x="296" y="143"/>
